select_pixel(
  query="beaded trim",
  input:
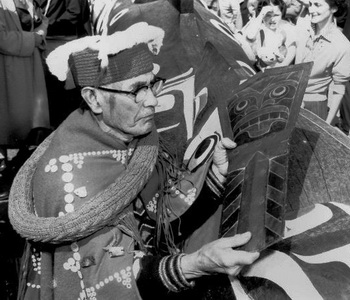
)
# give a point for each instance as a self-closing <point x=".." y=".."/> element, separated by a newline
<point x="174" y="190"/>
<point x="123" y="277"/>
<point x="36" y="263"/>
<point x="67" y="165"/>
<point x="73" y="264"/>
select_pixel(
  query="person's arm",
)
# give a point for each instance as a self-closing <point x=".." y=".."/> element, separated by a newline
<point x="255" y="25"/>
<point x="334" y="103"/>
<point x="340" y="75"/>
<point x="41" y="32"/>
<point x="16" y="43"/>
<point x="218" y="256"/>
<point x="290" y="44"/>
<point x="304" y="14"/>
<point x="173" y="276"/>
<point x="20" y="43"/>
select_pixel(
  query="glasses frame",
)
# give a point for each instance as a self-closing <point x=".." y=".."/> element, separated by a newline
<point x="135" y="93"/>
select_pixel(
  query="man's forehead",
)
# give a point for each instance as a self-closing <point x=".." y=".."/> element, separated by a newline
<point x="141" y="79"/>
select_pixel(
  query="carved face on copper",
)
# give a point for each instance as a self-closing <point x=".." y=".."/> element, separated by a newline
<point x="262" y="108"/>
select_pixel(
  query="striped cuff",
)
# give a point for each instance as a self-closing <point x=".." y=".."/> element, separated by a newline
<point x="170" y="273"/>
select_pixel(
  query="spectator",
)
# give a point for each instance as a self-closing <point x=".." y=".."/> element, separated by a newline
<point x="321" y="42"/>
<point x="68" y="20"/>
<point x="271" y="37"/>
<point x="107" y="191"/>
<point x="230" y="13"/>
<point x="344" y="121"/>
<point x="293" y="10"/>
<point x="252" y="6"/>
<point x="23" y="97"/>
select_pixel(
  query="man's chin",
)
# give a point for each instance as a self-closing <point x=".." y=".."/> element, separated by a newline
<point x="146" y="129"/>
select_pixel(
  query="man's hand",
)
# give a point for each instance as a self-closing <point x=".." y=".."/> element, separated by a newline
<point x="220" y="158"/>
<point x="219" y="257"/>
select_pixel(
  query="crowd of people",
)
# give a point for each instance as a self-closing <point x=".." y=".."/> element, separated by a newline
<point x="282" y="33"/>
<point x="101" y="213"/>
<point x="272" y="33"/>
<point x="33" y="101"/>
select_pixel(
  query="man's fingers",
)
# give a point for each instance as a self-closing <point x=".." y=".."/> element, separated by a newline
<point x="235" y="241"/>
<point x="246" y="258"/>
<point x="228" y="143"/>
<point x="220" y="155"/>
<point x="220" y="158"/>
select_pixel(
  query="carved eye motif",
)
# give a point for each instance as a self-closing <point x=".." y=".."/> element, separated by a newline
<point x="279" y="91"/>
<point x="242" y="105"/>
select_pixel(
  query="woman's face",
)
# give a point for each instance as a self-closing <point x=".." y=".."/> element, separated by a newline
<point x="273" y="18"/>
<point x="320" y="11"/>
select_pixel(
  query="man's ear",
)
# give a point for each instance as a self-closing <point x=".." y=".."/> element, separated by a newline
<point x="92" y="98"/>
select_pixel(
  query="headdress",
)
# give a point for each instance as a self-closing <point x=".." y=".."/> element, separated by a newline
<point x="99" y="60"/>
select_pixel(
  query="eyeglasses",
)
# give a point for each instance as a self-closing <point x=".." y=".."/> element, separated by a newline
<point x="156" y="86"/>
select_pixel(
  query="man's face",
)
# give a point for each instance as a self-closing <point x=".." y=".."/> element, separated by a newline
<point x="124" y="114"/>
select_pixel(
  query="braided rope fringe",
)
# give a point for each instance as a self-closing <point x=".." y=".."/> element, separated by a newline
<point x="103" y="209"/>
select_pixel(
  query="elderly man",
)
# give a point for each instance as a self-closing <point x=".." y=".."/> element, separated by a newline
<point x="99" y="198"/>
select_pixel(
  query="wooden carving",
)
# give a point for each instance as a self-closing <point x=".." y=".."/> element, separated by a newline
<point x="262" y="111"/>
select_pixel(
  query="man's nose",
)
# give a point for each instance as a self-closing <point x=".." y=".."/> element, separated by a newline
<point x="150" y="99"/>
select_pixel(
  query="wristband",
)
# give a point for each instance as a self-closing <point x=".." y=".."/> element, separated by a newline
<point x="171" y="274"/>
<point x="180" y="275"/>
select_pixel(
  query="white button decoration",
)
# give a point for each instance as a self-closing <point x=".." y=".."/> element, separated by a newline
<point x="69" y="207"/>
<point x="76" y="256"/>
<point x="69" y="187"/>
<point x="81" y="192"/>
<point x="67" y="167"/>
<point x="52" y="161"/>
<point x="64" y="159"/>
<point x="69" y="198"/>
<point x="67" y="177"/>
<point x="54" y="168"/>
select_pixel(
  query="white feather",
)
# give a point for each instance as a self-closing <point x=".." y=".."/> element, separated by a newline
<point x="57" y="60"/>
<point x="106" y="45"/>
